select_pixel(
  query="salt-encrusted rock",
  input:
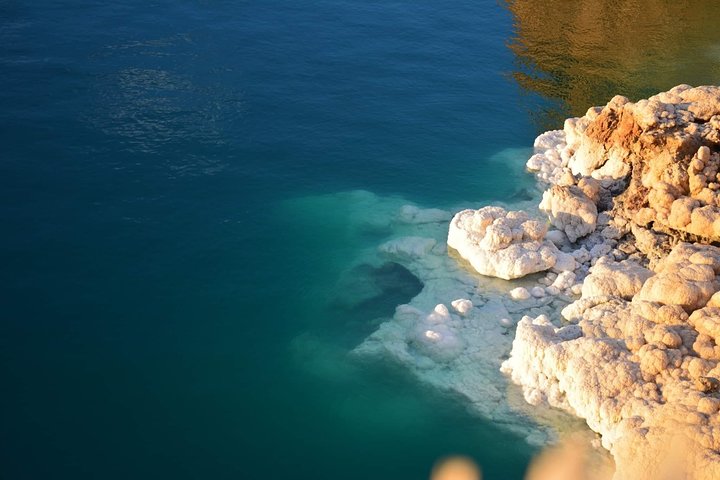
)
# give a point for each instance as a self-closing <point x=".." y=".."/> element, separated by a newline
<point x="436" y="336"/>
<point x="462" y="305"/>
<point x="519" y="293"/>
<point x="635" y="366"/>
<point x="551" y="290"/>
<point x="656" y="157"/>
<point x="707" y="322"/>
<point x="620" y="279"/>
<point x="570" y="210"/>
<point x="439" y="314"/>
<point x="714" y="300"/>
<point x="548" y="161"/>
<point x="640" y="358"/>
<point x="590" y="187"/>
<point x="581" y="255"/>
<point x="634" y="203"/>
<point x="600" y="250"/>
<point x="501" y="244"/>
<point x="557" y="237"/>
<point x="639" y="395"/>
<point x="507" y="322"/>
<point x="670" y="154"/>
<point x="564" y="262"/>
<point x="537" y="292"/>
<point x="682" y="281"/>
<point x="564" y="280"/>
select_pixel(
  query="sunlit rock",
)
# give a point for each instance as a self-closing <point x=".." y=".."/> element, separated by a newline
<point x="519" y="293"/>
<point x="501" y="244"/>
<point x="570" y="210"/>
<point x="619" y="279"/>
<point x="638" y="355"/>
<point x="680" y="281"/>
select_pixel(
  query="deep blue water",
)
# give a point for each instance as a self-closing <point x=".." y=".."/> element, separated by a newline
<point x="160" y="304"/>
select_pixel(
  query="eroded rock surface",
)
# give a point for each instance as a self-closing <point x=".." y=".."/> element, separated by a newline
<point x="667" y="146"/>
<point x="637" y="355"/>
<point x="621" y="279"/>
<point x="501" y="244"/>
<point x="570" y="210"/>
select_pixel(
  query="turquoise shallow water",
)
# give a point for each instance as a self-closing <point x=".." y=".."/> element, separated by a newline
<point x="171" y="257"/>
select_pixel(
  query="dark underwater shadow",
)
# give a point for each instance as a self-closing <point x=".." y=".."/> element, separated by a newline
<point x="365" y="296"/>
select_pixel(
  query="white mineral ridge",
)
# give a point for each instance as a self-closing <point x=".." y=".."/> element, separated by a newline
<point x="501" y="244"/>
<point x="639" y="395"/>
<point x="638" y="355"/>
<point x="570" y="210"/>
<point x="548" y="161"/>
<point x="620" y="279"/>
<point x="640" y="370"/>
<point x="686" y="277"/>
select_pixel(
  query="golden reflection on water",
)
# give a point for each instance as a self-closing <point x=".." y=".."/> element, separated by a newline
<point x="580" y="53"/>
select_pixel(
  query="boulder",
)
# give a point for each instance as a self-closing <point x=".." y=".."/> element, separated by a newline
<point x="570" y="210"/>
<point x="620" y="279"/>
<point x="500" y="243"/>
<point x="682" y="281"/>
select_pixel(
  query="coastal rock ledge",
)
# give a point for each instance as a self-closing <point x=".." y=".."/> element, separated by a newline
<point x="633" y="196"/>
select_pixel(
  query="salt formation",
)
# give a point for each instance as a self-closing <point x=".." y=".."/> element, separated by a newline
<point x="620" y="279"/>
<point x="456" y="345"/>
<point x="456" y="332"/>
<point x="570" y="210"/>
<point x="501" y="244"/>
<point x="618" y="321"/>
<point x="634" y="189"/>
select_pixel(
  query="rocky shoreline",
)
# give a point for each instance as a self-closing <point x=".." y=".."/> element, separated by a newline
<point x="612" y="294"/>
<point x="633" y="196"/>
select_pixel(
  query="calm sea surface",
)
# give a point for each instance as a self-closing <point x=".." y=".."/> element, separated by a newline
<point x="174" y="221"/>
